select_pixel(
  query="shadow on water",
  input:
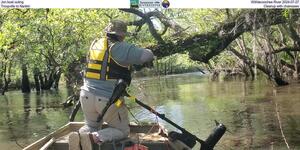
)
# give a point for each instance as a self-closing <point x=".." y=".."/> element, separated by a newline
<point x="250" y="110"/>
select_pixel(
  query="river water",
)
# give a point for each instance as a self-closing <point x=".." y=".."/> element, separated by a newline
<point x="258" y="115"/>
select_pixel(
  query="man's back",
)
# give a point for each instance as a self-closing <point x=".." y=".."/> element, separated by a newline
<point x="125" y="55"/>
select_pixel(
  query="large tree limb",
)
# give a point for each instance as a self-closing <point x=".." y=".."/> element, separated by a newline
<point x="283" y="62"/>
<point x="286" y="49"/>
<point x="203" y="46"/>
<point x="167" y="22"/>
<point x="146" y="18"/>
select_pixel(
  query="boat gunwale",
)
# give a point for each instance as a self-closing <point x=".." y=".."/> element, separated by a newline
<point x="55" y="134"/>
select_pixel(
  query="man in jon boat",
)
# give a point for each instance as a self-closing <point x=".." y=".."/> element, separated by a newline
<point x="109" y="59"/>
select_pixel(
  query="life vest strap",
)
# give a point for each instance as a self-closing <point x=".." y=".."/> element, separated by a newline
<point x="92" y="70"/>
<point x="95" y="61"/>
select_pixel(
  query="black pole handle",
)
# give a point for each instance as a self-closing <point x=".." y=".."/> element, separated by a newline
<point x="208" y="144"/>
<point x="162" y="116"/>
<point x="74" y="112"/>
<point x="121" y="85"/>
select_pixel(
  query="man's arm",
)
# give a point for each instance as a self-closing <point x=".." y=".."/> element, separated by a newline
<point x="128" y="54"/>
<point x="147" y="56"/>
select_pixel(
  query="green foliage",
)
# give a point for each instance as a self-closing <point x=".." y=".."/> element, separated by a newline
<point x="206" y="20"/>
<point x="224" y="60"/>
<point x="286" y="13"/>
<point x="52" y="39"/>
<point x="177" y="63"/>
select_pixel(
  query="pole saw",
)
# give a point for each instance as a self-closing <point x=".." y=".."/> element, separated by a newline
<point x="188" y="137"/>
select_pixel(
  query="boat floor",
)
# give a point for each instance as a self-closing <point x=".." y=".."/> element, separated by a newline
<point x="152" y="141"/>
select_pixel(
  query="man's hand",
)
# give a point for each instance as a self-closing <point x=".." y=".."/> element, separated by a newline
<point x="148" y="58"/>
<point x="148" y="64"/>
<point x="145" y="65"/>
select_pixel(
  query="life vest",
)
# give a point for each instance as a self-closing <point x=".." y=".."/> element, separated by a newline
<point x="101" y="65"/>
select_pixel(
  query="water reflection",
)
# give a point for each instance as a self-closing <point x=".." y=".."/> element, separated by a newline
<point x="11" y="129"/>
<point x="25" y="117"/>
<point x="27" y="109"/>
<point x="249" y="109"/>
<point x="39" y="103"/>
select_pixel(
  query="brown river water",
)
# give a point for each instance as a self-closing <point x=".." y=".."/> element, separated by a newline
<point x="258" y="115"/>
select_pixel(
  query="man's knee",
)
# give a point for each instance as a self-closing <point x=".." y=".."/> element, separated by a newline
<point x="87" y="128"/>
<point x="84" y="129"/>
<point x="111" y="134"/>
<point x="126" y="131"/>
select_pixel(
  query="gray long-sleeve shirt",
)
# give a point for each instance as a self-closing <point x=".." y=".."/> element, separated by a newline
<point x="125" y="54"/>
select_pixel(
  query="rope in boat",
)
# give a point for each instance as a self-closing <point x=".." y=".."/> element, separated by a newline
<point x="165" y="141"/>
<point x="149" y="131"/>
<point x="137" y="121"/>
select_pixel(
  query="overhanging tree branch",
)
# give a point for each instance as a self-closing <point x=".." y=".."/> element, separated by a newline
<point x="203" y="46"/>
<point x="147" y="19"/>
<point x="286" y="49"/>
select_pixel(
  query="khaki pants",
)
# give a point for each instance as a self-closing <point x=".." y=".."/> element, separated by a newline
<point x="115" y="117"/>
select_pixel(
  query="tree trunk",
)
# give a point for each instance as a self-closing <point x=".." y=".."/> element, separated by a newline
<point x="56" y="78"/>
<point x="272" y="76"/>
<point x="272" y="61"/>
<point x="296" y="64"/>
<point x="5" y="85"/>
<point x="25" y="86"/>
<point x="253" y="75"/>
<point x="42" y="81"/>
<point x="7" y="79"/>
<point x="49" y="79"/>
<point x="1" y="77"/>
<point x="165" y="70"/>
<point x="247" y="70"/>
<point x="36" y="74"/>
